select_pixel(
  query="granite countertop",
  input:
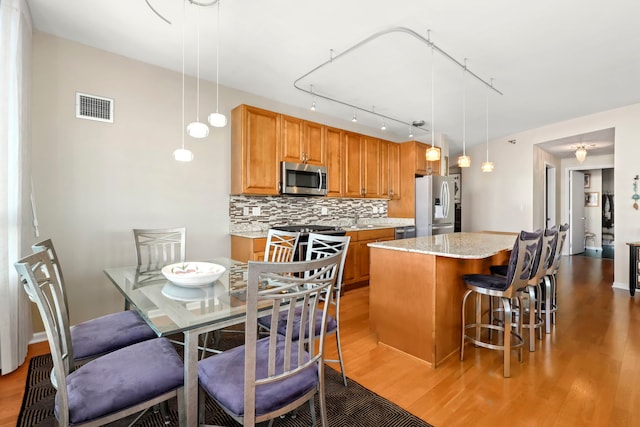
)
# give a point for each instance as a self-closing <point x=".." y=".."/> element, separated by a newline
<point x="454" y="245"/>
<point x="371" y="224"/>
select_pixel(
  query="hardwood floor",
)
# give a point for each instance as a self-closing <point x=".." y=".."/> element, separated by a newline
<point x="585" y="373"/>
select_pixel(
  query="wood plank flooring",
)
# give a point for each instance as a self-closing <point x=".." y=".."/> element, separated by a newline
<point x="585" y="373"/>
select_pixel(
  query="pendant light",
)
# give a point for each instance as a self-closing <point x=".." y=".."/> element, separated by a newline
<point x="487" y="166"/>
<point x="433" y="154"/>
<point x="198" y="129"/>
<point x="217" y="119"/>
<point x="464" y="161"/>
<point x="182" y="154"/>
<point x="581" y="153"/>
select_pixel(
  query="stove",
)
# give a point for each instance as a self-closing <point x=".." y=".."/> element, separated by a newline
<point x="304" y="231"/>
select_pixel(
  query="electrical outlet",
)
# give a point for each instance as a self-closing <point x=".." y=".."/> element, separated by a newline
<point x="255" y="211"/>
<point x="245" y="211"/>
<point x="324" y="211"/>
<point x="375" y="209"/>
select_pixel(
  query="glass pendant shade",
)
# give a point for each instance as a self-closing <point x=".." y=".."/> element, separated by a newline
<point x="464" y="161"/>
<point x="217" y="120"/>
<point x="197" y="130"/>
<point x="581" y="154"/>
<point x="487" y="166"/>
<point x="433" y="154"/>
<point x="183" y="155"/>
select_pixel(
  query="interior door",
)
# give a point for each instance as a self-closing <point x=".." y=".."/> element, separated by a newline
<point x="577" y="218"/>
<point x="550" y="197"/>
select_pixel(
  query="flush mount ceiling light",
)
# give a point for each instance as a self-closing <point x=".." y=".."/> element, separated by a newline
<point x="217" y="119"/>
<point x="197" y="129"/>
<point x="581" y="151"/>
<point x="487" y="166"/>
<point x="298" y="84"/>
<point x="182" y="154"/>
<point x="433" y="154"/>
<point x="464" y="161"/>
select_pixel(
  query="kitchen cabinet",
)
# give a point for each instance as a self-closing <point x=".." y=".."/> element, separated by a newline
<point x="362" y="166"/>
<point x="356" y="268"/>
<point x="423" y="167"/>
<point x="352" y="157"/>
<point x="390" y="170"/>
<point x="334" y="158"/>
<point x="371" y="167"/>
<point x="255" y="151"/>
<point x="248" y="249"/>
<point x="301" y="141"/>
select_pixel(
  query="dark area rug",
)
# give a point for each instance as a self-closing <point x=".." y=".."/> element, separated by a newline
<point x="352" y="406"/>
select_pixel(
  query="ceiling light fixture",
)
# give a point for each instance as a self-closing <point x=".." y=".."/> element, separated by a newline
<point x="354" y="119"/>
<point x="581" y="153"/>
<point x="410" y="131"/>
<point x="198" y="129"/>
<point x="383" y="127"/>
<point x="182" y="154"/>
<point x="217" y="119"/>
<point x="313" y="100"/>
<point x="433" y="154"/>
<point x="487" y="166"/>
<point x="300" y="85"/>
<point x="464" y="161"/>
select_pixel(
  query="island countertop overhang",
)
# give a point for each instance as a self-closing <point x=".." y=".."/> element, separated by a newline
<point x="476" y="245"/>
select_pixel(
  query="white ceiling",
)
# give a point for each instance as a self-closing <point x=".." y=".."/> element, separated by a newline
<point x="552" y="60"/>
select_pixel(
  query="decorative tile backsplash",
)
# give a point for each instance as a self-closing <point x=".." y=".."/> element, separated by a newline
<point x="255" y="213"/>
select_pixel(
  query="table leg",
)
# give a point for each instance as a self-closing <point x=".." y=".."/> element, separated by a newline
<point x="633" y="269"/>
<point x="191" y="378"/>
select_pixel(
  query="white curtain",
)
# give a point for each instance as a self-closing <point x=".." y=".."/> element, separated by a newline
<point x="15" y="72"/>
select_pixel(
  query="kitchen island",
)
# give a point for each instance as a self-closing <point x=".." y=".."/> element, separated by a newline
<point x="416" y="289"/>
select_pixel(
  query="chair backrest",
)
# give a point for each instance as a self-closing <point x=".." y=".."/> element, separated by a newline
<point x="553" y="235"/>
<point x="548" y="240"/>
<point x="323" y="245"/>
<point x="43" y="286"/>
<point x="562" y="237"/>
<point x="522" y="259"/>
<point x="47" y="246"/>
<point x="281" y="245"/>
<point x="297" y="288"/>
<point x="157" y="247"/>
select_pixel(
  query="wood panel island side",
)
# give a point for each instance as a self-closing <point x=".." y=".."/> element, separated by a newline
<point x="416" y="289"/>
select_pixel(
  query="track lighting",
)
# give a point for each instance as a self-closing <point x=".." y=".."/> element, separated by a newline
<point x="383" y="127"/>
<point x="410" y="131"/>
<point x="313" y="100"/>
<point x="354" y="119"/>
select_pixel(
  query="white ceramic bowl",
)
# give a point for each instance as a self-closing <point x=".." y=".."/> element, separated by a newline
<point x="193" y="274"/>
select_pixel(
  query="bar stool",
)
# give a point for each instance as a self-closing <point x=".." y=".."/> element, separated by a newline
<point x="550" y="290"/>
<point x="506" y="288"/>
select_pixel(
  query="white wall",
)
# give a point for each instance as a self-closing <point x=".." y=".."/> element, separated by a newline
<point x="507" y="198"/>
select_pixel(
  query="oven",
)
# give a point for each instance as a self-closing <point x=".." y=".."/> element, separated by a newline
<point x="304" y="231"/>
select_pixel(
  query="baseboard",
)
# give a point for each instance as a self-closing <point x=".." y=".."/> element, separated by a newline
<point x="594" y="248"/>
<point x="618" y="285"/>
<point x="38" y="337"/>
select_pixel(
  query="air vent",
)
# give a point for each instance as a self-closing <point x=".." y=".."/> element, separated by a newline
<point x="93" y="107"/>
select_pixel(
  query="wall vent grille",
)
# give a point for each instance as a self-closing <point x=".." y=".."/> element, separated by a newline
<point x="93" y="107"/>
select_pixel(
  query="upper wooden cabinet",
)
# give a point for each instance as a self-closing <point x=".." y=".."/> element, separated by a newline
<point x="301" y="141"/>
<point x="352" y="164"/>
<point x="390" y="170"/>
<point x="423" y="167"/>
<point x="255" y="151"/>
<point x="371" y="167"/>
<point x="333" y="155"/>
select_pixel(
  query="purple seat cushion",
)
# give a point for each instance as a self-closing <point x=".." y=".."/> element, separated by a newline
<point x="265" y="321"/>
<point x="499" y="270"/>
<point x="108" y="333"/>
<point x="486" y="281"/>
<point x="122" y="379"/>
<point x="222" y="377"/>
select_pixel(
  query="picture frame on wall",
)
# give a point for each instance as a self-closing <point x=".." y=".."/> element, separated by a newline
<point x="587" y="180"/>
<point x="592" y="199"/>
<point x="457" y="189"/>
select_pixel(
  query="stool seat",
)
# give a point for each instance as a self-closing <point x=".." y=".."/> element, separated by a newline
<point x="589" y="236"/>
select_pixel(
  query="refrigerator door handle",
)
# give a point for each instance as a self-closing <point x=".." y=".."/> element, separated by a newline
<point x="445" y="198"/>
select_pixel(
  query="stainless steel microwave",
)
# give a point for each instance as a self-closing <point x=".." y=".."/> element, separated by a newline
<point x="302" y="179"/>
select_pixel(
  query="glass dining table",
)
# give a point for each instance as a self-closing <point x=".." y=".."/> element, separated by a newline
<point x="171" y="309"/>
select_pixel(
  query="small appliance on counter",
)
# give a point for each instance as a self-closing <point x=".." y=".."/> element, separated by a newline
<point x="435" y="213"/>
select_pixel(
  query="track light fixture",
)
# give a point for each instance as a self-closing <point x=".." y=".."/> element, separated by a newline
<point x="354" y="119"/>
<point x="313" y="100"/>
<point x="410" y="131"/>
<point x="433" y="154"/>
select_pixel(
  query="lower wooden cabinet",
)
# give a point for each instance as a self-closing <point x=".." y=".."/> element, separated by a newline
<point x="356" y="269"/>
<point x="247" y="249"/>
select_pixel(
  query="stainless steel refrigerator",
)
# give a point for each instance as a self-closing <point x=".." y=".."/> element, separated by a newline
<point x="435" y="211"/>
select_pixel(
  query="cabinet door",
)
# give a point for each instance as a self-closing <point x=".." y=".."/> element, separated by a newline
<point x="352" y="165"/>
<point x="421" y="158"/>
<point x="333" y="142"/>
<point x="313" y="143"/>
<point x="394" y="171"/>
<point x="434" y="166"/>
<point x="371" y="166"/>
<point x="291" y="139"/>
<point x="385" y="184"/>
<point x="255" y="151"/>
<point x="349" y="274"/>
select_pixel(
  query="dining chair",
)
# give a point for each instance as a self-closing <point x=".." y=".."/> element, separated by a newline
<point x="281" y="245"/>
<point x="95" y="337"/>
<point x="268" y="377"/>
<point x="320" y="246"/>
<point x="550" y="290"/>
<point x="506" y="289"/>
<point x="108" y="388"/>
<point x="157" y="247"/>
